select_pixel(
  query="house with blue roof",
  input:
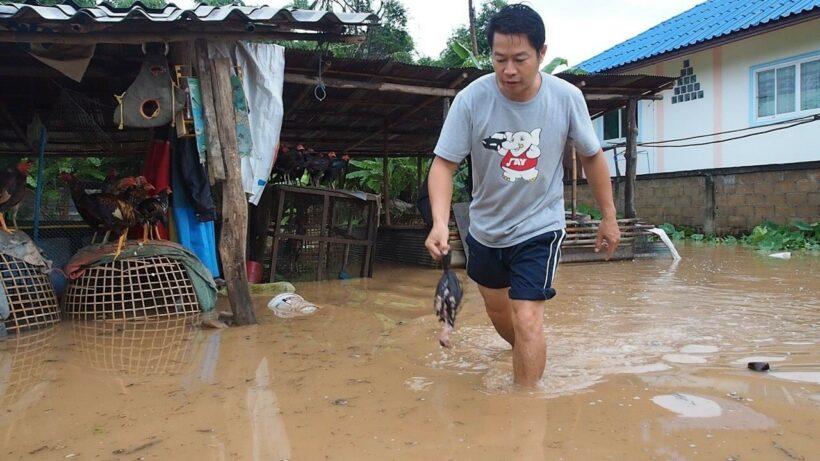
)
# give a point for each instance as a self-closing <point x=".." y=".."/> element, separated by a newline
<point x="743" y="67"/>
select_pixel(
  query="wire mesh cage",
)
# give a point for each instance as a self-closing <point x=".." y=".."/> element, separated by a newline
<point x="23" y="361"/>
<point x="133" y="288"/>
<point x="30" y="295"/>
<point x="322" y="234"/>
<point x="152" y="347"/>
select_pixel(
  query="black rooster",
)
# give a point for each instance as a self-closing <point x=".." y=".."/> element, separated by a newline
<point x="153" y="211"/>
<point x="316" y="165"/>
<point x="334" y="175"/>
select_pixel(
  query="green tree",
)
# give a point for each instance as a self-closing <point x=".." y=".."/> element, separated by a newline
<point x="82" y="3"/>
<point x="388" y="40"/>
<point x="450" y="57"/>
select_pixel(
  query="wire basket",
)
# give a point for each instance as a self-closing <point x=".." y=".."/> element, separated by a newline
<point x="133" y="288"/>
<point x="152" y="347"/>
<point x="30" y="295"/>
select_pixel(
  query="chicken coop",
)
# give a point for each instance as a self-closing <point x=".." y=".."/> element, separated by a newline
<point x="27" y="297"/>
<point x="132" y="288"/>
<point x="321" y="234"/>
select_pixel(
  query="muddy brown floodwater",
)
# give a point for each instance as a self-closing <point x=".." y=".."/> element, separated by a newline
<point x="646" y="361"/>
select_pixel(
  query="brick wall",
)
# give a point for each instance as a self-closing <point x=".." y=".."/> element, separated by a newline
<point x="726" y="200"/>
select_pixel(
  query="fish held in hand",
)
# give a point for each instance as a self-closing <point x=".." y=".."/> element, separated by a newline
<point x="447" y="302"/>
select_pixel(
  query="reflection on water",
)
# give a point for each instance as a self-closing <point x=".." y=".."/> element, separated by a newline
<point x="23" y="365"/>
<point x="145" y="347"/>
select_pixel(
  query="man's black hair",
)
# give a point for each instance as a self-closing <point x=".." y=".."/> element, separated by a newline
<point x="517" y="19"/>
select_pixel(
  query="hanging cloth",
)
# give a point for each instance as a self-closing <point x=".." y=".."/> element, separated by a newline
<point x="263" y="66"/>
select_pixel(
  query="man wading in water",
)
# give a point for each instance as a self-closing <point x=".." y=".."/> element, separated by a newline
<point x="515" y="124"/>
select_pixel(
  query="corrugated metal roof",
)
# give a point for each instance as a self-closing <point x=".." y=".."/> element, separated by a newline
<point x="704" y="22"/>
<point x="107" y="13"/>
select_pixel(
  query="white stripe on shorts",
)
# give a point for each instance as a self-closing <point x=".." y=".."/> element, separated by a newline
<point x="552" y="262"/>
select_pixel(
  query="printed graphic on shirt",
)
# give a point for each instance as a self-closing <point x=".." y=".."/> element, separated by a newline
<point x="519" y="153"/>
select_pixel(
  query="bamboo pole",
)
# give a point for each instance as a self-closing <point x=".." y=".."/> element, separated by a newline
<point x="233" y="238"/>
<point x="168" y="35"/>
<point x="386" y="180"/>
<point x="574" y="183"/>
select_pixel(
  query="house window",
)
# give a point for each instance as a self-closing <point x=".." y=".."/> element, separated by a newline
<point x="788" y="88"/>
<point x="615" y="124"/>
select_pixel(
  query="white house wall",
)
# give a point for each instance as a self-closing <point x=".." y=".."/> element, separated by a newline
<point x="725" y="77"/>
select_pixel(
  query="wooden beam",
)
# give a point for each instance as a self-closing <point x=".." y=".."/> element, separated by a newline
<point x="386" y="180"/>
<point x="631" y="156"/>
<point x="169" y="35"/>
<point x="407" y="114"/>
<point x="359" y="85"/>
<point x="216" y="165"/>
<point x="233" y="239"/>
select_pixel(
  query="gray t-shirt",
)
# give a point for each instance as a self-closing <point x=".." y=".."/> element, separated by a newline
<point x="516" y="150"/>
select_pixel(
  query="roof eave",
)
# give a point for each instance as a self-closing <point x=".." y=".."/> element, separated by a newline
<point x="719" y="41"/>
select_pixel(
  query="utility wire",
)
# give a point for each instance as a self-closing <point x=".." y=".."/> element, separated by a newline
<point x="777" y="127"/>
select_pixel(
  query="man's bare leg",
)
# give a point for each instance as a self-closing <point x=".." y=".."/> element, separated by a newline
<point x="499" y="309"/>
<point x="530" y="350"/>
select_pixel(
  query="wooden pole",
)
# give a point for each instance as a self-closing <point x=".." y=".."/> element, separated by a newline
<point x="386" y="181"/>
<point x="216" y="166"/>
<point x="362" y="85"/>
<point x="473" y="38"/>
<point x="232" y="242"/>
<point x="631" y="156"/>
<point x="574" y="183"/>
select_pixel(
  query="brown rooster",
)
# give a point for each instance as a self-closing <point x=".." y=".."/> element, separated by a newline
<point x="12" y="189"/>
<point x="116" y="213"/>
<point x="153" y="211"/>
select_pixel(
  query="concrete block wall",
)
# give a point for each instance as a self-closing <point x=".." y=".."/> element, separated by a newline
<point x="723" y="201"/>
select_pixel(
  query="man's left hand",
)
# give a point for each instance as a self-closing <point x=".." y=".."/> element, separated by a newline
<point x="609" y="236"/>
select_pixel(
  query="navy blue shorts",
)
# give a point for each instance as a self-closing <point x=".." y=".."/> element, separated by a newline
<point x="527" y="269"/>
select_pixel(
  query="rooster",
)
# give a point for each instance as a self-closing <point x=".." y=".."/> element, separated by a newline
<point x="290" y="164"/>
<point x="335" y="171"/>
<point x="316" y="165"/>
<point x="111" y="212"/>
<point x="12" y="190"/>
<point x="153" y="211"/>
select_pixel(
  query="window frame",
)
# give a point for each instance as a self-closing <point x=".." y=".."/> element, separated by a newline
<point x="754" y="73"/>
<point x="621" y="125"/>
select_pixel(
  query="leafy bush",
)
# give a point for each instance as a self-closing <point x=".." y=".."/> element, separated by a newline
<point x="767" y="236"/>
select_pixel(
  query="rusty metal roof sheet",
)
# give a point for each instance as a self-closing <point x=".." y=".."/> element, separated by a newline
<point x="69" y="13"/>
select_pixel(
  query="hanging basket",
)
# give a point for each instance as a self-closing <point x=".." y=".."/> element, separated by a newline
<point x="133" y="288"/>
<point x="30" y="296"/>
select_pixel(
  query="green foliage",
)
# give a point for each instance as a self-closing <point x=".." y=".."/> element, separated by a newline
<point x="552" y="65"/>
<point x="366" y="175"/>
<point x="389" y="40"/>
<point x="592" y="212"/>
<point x="767" y="236"/>
<point x="775" y="237"/>
<point x="450" y="57"/>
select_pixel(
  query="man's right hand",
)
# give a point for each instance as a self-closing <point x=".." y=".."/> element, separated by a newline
<point x="438" y="241"/>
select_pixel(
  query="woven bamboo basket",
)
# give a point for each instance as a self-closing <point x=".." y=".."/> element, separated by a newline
<point x="134" y="288"/>
<point x="30" y="295"/>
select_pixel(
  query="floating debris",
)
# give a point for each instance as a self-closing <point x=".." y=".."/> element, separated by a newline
<point x="759" y="366"/>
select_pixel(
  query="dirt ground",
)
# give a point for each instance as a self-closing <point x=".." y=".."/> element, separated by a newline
<point x="646" y="361"/>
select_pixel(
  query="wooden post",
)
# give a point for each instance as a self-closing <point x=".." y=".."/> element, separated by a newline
<point x="386" y="180"/>
<point x="473" y="38"/>
<point x="232" y="242"/>
<point x="574" y="183"/>
<point x="216" y="166"/>
<point x="418" y="173"/>
<point x="631" y="156"/>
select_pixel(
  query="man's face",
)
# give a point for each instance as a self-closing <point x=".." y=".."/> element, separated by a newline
<point x="516" y="64"/>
